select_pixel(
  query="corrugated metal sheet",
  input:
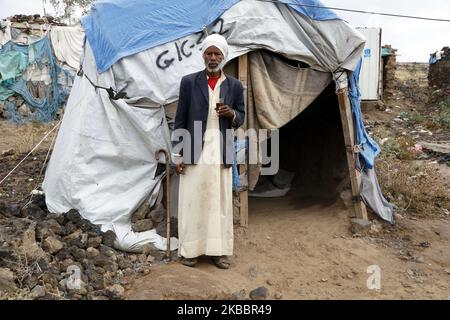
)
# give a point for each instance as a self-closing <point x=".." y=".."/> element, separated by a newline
<point x="371" y="77"/>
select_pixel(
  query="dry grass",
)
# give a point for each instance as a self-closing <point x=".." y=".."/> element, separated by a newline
<point x="24" y="137"/>
<point x="19" y="294"/>
<point x="24" y="269"/>
<point x="434" y="118"/>
<point x="32" y="133"/>
<point x="415" y="187"/>
<point x="401" y="148"/>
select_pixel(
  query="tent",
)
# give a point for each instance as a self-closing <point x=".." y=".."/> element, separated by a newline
<point x="122" y="104"/>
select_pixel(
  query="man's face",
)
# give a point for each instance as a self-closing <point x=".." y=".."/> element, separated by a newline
<point x="213" y="57"/>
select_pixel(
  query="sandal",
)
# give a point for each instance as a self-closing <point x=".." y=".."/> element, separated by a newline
<point x="190" y="262"/>
<point x="221" y="262"/>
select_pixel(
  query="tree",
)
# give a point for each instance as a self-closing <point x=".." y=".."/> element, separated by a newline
<point x="64" y="8"/>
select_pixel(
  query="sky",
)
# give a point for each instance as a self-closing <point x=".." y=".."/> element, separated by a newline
<point x="414" y="39"/>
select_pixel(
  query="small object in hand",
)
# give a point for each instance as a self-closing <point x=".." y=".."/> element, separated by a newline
<point x="220" y="103"/>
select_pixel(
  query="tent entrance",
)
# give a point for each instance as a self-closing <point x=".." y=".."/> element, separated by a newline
<point x="312" y="155"/>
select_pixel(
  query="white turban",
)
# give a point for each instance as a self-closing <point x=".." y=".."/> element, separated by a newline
<point x="218" y="41"/>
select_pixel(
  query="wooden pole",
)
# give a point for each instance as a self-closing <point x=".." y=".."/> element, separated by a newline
<point x="243" y="77"/>
<point x="167" y="159"/>
<point x="349" y="138"/>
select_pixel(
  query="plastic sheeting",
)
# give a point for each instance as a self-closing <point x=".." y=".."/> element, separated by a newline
<point x="20" y="64"/>
<point x="67" y="43"/>
<point x="369" y="148"/>
<point x="370" y="189"/>
<point x="19" y="37"/>
<point x="311" y="8"/>
<point x="103" y="163"/>
<point x="372" y="195"/>
<point x="239" y="152"/>
<point x="435" y="57"/>
<point x="120" y="28"/>
<point x="36" y="74"/>
<point x="5" y="32"/>
<point x="5" y="93"/>
<point x="12" y="64"/>
<point x="248" y="25"/>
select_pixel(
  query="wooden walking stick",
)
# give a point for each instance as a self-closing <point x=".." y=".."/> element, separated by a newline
<point x="166" y="154"/>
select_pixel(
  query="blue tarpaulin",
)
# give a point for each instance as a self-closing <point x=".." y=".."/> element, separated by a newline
<point x="118" y="28"/>
<point x="313" y="9"/>
<point x="12" y="64"/>
<point x="435" y="57"/>
<point x="238" y="145"/>
<point x="17" y="58"/>
<point x="369" y="148"/>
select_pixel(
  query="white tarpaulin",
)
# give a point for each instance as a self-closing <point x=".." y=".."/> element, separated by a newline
<point x="5" y="32"/>
<point x="103" y="163"/>
<point x="34" y="73"/>
<point x="67" y="43"/>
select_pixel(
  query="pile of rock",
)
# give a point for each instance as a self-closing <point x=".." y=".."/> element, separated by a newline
<point x="412" y="90"/>
<point x="35" y="18"/>
<point x="17" y="105"/>
<point x="147" y="218"/>
<point x="51" y="256"/>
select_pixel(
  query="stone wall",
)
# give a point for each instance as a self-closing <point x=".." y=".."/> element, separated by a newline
<point x="439" y="78"/>
<point x="439" y="73"/>
<point x="389" y="68"/>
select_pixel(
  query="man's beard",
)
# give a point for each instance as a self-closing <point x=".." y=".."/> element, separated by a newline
<point x="216" y="69"/>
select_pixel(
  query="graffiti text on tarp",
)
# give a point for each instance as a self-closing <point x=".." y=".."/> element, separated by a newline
<point x="183" y="49"/>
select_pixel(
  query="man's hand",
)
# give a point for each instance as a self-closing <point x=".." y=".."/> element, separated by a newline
<point x="225" y="112"/>
<point x="180" y="168"/>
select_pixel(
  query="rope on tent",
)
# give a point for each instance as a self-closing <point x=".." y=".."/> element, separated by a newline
<point x="113" y="94"/>
<point x="40" y="174"/>
<point x="48" y="153"/>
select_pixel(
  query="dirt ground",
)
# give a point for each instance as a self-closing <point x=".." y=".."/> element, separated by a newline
<point x="17" y="142"/>
<point x="301" y="250"/>
<point x="296" y="248"/>
<point x="22" y="138"/>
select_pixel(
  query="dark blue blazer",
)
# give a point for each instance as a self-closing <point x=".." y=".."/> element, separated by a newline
<point x="193" y="106"/>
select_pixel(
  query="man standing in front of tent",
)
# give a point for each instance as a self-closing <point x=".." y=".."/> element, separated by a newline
<point x="210" y="105"/>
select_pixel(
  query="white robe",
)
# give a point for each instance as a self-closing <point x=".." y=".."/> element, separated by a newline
<point x="205" y="206"/>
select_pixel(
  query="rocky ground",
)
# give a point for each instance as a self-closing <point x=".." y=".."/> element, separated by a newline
<point x="51" y="256"/>
<point x="294" y="248"/>
<point x="48" y="256"/>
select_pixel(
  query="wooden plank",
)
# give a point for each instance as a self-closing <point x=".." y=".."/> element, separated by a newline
<point x="349" y="138"/>
<point x="243" y="77"/>
<point x="243" y="209"/>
